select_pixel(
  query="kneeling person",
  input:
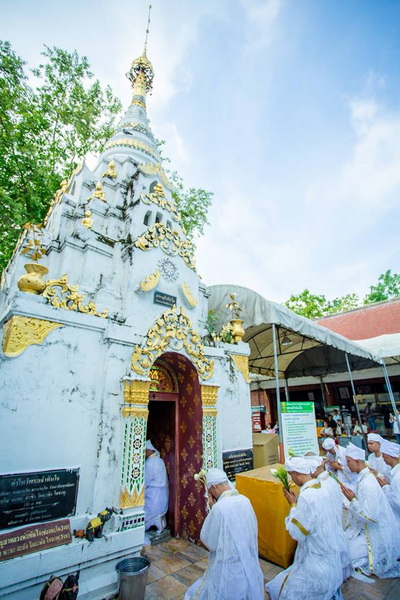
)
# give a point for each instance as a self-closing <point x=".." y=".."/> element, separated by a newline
<point x="230" y="533"/>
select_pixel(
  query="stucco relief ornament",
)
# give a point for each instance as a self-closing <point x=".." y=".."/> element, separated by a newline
<point x="32" y="281"/>
<point x="158" y="198"/>
<point x="61" y="294"/>
<point x="171" y="330"/>
<point x="169" y="241"/>
<point x="168" y="269"/>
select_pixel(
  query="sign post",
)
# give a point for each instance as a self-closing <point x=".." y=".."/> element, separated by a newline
<point x="299" y="433"/>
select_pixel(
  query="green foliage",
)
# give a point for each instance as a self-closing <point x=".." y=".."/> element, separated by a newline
<point x="387" y="288"/>
<point x="307" y="304"/>
<point x="313" y="306"/>
<point x="45" y="128"/>
<point x="192" y="203"/>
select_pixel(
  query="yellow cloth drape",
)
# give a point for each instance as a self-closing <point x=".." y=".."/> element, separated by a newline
<point x="271" y="507"/>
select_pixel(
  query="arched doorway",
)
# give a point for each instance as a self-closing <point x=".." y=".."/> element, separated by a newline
<point x="175" y="428"/>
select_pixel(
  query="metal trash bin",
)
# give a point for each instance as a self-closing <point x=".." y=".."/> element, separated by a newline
<point x="132" y="574"/>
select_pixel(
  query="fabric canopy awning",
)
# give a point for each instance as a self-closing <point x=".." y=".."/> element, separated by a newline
<point x="303" y="347"/>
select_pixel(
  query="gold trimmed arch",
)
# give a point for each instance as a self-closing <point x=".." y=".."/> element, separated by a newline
<point x="173" y="331"/>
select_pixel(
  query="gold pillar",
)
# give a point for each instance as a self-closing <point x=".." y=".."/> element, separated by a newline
<point x="209" y="395"/>
<point x="135" y="413"/>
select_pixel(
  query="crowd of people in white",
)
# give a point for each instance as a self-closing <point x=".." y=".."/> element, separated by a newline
<point x="345" y="519"/>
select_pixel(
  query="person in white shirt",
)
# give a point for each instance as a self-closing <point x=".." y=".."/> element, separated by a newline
<point x="375" y="459"/>
<point x="395" y="426"/>
<point x="372" y="529"/>
<point x="156" y="489"/>
<point x="391" y="484"/>
<point x="230" y="533"/>
<point x="337" y="463"/>
<point x="316" y="572"/>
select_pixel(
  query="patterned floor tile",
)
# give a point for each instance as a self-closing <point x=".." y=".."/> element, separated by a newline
<point x="171" y="563"/>
<point x="188" y="575"/>
<point x="167" y="588"/>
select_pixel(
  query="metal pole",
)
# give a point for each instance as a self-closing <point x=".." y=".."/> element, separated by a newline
<point x="390" y="392"/>
<point x="287" y="391"/>
<point x="278" y="394"/>
<point x="323" y="393"/>
<point x="355" y="401"/>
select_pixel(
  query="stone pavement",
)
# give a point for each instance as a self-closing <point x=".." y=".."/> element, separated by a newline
<point x="176" y="564"/>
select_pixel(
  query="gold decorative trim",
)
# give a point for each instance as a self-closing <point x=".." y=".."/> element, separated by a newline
<point x="174" y="330"/>
<point x="56" y="199"/>
<point x="127" y="500"/>
<point x="209" y="411"/>
<point x="87" y="221"/>
<point x="189" y="297"/>
<point x="133" y="144"/>
<point x="300" y="526"/>
<point x="209" y="394"/>
<point x="98" y="193"/>
<point x="63" y="295"/>
<point x="169" y="241"/>
<point x="242" y="364"/>
<point x="134" y="411"/>
<point x="136" y="391"/>
<point x="150" y="282"/>
<point x="150" y="169"/>
<point x="158" y="198"/>
<point x="21" y="332"/>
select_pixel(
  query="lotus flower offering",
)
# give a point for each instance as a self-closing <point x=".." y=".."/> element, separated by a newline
<point x="281" y="474"/>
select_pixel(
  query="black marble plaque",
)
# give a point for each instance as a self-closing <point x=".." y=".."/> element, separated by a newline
<point x="36" y="497"/>
<point x="237" y="461"/>
<point x="164" y="299"/>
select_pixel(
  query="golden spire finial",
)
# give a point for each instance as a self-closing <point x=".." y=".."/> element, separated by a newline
<point x="147" y="32"/>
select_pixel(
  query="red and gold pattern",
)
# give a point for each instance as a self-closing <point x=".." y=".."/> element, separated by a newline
<point x="188" y="494"/>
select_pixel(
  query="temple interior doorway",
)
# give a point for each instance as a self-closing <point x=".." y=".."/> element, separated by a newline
<point x="175" y="428"/>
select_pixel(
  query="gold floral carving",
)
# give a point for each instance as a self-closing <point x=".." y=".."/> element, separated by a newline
<point x="157" y="197"/>
<point x="136" y="391"/>
<point x="56" y="199"/>
<point x="133" y="144"/>
<point x="63" y="295"/>
<point x="189" y="297"/>
<point x="172" y="330"/>
<point x="169" y="241"/>
<point x="151" y="169"/>
<point x="242" y="364"/>
<point x="150" y="282"/>
<point x="209" y="394"/>
<point x="21" y="332"/>
<point x="127" y="500"/>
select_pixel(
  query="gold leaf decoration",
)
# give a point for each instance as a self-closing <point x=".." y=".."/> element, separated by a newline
<point x="150" y="282"/>
<point x="21" y="332"/>
<point x="127" y="500"/>
<point x="61" y="294"/>
<point x="175" y="330"/>
<point x="189" y="297"/>
<point x="169" y="241"/>
<point x="242" y="364"/>
<point x="158" y="198"/>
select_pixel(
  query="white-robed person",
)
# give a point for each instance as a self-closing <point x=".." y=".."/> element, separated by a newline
<point x="372" y="531"/>
<point x="336" y="498"/>
<point x="230" y="533"/>
<point x="375" y="459"/>
<point x="156" y="489"/>
<point x="337" y="463"/>
<point x="391" y="485"/>
<point x="316" y="572"/>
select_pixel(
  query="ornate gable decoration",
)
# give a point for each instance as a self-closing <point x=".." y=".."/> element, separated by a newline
<point x="169" y="242"/>
<point x="157" y="197"/>
<point x="171" y="331"/>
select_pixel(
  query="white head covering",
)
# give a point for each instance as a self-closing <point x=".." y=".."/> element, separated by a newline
<point x="355" y="452"/>
<point x="375" y="437"/>
<point x="299" y="464"/>
<point x="149" y="446"/>
<point x="315" y="461"/>
<point x="328" y="444"/>
<point x="390" y="448"/>
<point x="216" y="476"/>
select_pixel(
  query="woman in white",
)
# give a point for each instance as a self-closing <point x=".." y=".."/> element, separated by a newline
<point x="156" y="489"/>
<point x="391" y="484"/>
<point x="337" y="463"/>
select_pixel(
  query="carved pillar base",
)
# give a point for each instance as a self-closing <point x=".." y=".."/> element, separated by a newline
<point x="135" y="413"/>
<point x="209" y="395"/>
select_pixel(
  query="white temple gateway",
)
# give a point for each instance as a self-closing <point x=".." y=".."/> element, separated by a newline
<point x="101" y="348"/>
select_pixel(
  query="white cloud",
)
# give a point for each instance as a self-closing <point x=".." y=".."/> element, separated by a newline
<point x="261" y="17"/>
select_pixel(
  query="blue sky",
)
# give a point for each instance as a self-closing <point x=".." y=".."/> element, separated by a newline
<point x="288" y="110"/>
